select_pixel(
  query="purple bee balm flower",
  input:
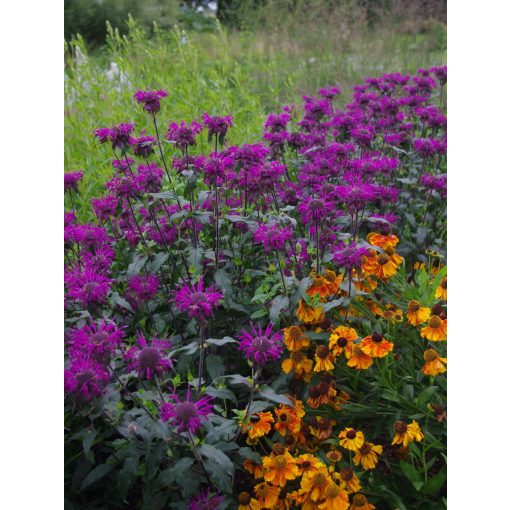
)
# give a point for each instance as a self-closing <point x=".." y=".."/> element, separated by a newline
<point x="315" y="209"/>
<point x="329" y="93"/>
<point x="143" y="146"/>
<point x="427" y="147"/>
<point x="355" y="196"/>
<point x="149" y="358"/>
<point x="260" y="346"/>
<point x="100" y="259"/>
<point x="119" y="136"/>
<point x="105" y="208"/>
<point x="123" y="166"/>
<point x="96" y="341"/>
<point x="272" y="236"/>
<point x="277" y="122"/>
<point x="205" y="501"/>
<point x="186" y="414"/>
<point x="85" y="379"/>
<point x="142" y="288"/>
<point x="150" y="99"/>
<point x="124" y="186"/>
<point x="218" y="126"/>
<point x="149" y="178"/>
<point x="351" y="257"/>
<point x="69" y="218"/>
<point x="434" y="182"/>
<point x="183" y="134"/>
<point x="87" y="286"/>
<point x="197" y="301"/>
<point x="71" y="180"/>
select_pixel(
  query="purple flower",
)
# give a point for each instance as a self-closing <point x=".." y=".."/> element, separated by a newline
<point x="87" y="286"/>
<point x="434" y="182"/>
<point x="205" y="501"/>
<point x="149" y="358"/>
<point x="261" y="346"/>
<point x="427" y="147"/>
<point x="356" y="196"/>
<point x="149" y="178"/>
<point x="186" y="414"/>
<point x="123" y="166"/>
<point x="143" y="146"/>
<point x="119" y="136"/>
<point x="272" y="236"/>
<point x="315" y="209"/>
<point x="329" y="93"/>
<point x="96" y="341"/>
<point x="150" y="99"/>
<point x="351" y="257"/>
<point x="277" y="122"/>
<point x="142" y="288"/>
<point x="85" y="379"/>
<point x="183" y="134"/>
<point x="69" y="218"/>
<point x="104" y="208"/>
<point x="218" y="126"/>
<point x="71" y="180"/>
<point x="196" y="301"/>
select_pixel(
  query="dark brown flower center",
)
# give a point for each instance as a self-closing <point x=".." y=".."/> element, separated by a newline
<point x="365" y="449"/>
<point x="390" y="251"/>
<point x="306" y="464"/>
<point x="283" y="417"/>
<point x="430" y="355"/>
<point x="294" y="333"/>
<point x="359" y="500"/>
<point x="244" y="498"/>
<point x="323" y="424"/>
<point x="296" y="356"/>
<point x="400" y="427"/>
<point x="382" y="259"/>
<point x="148" y="358"/>
<point x="278" y="449"/>
<point x="319" y="480"/>
<point x="346" y="474"/>
<point x="322" y="351"/>
<point x="413" y="306"/>
<point x="437" y="309"/>
<point x="351" y="434"/>
<point x="255" y="418"/>
<point x="376" y="337"/>
<point x="342" y="342"/>
<point x="435" y="322"/>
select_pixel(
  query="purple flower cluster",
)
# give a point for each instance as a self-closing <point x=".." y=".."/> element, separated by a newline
<point x="197" y="301"/>
<point x="149" y="359"/>
<point x="261" y="346"/>
<point x="150" y="99"/>
<point x="71" y="180"/>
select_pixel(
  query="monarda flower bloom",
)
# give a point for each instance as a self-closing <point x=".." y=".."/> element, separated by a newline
<point x="205" y="501"/>
<point x="105" y="208"/>
<point x="351" y="257"/>
<point x="367" y="455"/>
<point x="260" y="346"/>
<point x="280" y="466"/>
<point x="142" y="288"/>
<point x="183" y="134"/>
<point x="149" y="178"/>
<point x="434" y="364"/>
<point x="435" y="330"/>
<point x="143" y="146"/>
<point x="150" y="99"/>
<point x="87" y="287"/>
<point x="376" y="346"/>
<point x="341" y="337"/>
<point x="277" y="122"/>
<point x="257" y="425"/>
<point x="119" y="136"/>
<point x="417" y="314"/>
<point x="329" y="93"/>
<point x="85" y="379"/>
<point x="196" y="301"/>
<point x="186" y="414"/>
<point x="360" y="502"/>
<point x="315" y="210"/>
<point x="71" y="180"/>
<point x="406" y="434"/>
<point x="149" y="358"/>
<point x="272" y="236"/>
<point x="217" y="126"/>
<point x="351" y="439"/>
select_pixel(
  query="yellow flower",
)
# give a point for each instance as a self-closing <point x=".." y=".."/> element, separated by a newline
<point x="333" y="280"/>
<point x="376" y="346"/>
<point x="267" y="495"/>
<point x="279" y="468"/>
<point x="341" y="336"/>
<point x="417" y="314"/>
<point x="295" y="339"/>
<point x="348" y="480"/>
<point x="367" y="455"/>
<point x="314" y="483"/>
<point x="357" y="358"/>
<point x="258" y="425"/>
<point x="301" y="365"/>
<point x="287" y="420"/>
<point x="246" y="502"/>
<point x="336" y="498"/>
<point x="334" y="456"/>
<point x="309" y="314"/>
<point x="255" y="470"/>
<point x="433" y="363"/>
<point x="405" y="434"/>
<point x="351" y="439"/>
<point x="308" y="463"/>
<point x="360" y="502"/>
<point x="324" y="360"/>
<point x="322" y="428"/>
<point x="441" y="290"/>
<point x="435" y="330"/>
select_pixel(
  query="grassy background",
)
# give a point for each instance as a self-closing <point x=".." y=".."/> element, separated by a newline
<point x="245" y="73"/>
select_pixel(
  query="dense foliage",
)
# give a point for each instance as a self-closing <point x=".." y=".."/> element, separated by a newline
<point x="263" y="325"/>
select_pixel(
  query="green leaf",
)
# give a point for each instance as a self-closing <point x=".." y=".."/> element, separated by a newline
<point x="425" y="395"/>
<point x="177" y="473"/>
<point x="88" y="441"/>
<point x="258" y="314"/>
<point x="221" y="341"/>
<point x="411" y="473"/>
<point x="221" y="393"/>
<point x="136" y="266"/>
<point x="248" y="453"/>
<point x="269" y="394"/>
<point x="214" y="365"/>
<point x="95" y="475"/>
<point x="279" y="303"/>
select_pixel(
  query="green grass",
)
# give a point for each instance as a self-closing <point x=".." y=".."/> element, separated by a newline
<point x="241" y="73"/>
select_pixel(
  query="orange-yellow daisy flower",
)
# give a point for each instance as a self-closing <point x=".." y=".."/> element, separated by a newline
<point x="341" y="336"/>
<point x="392" y="313"/>
<point x="434" y="364"/>
<point x="279" y="468"/>
<point x="348" y="480"/>
<point x="336" y="498"/>
<point x="315" y="483"/>
<point x="295" y="339"/>
<point x="320" y="286"/>
<point x="360" y="502"/>
<point x="267" y="495"/>
<point x="256" y="470"/>
<point x="441" y="290"/>
<point x="334" y="456"/>
<point x="301" y="365"/>
<point x="367" y="455"/>
<point x="324" y="360"/>
<point x="308" y="463"/>
<point x="322" y="428"/>
<point x="286" y="420"/>
<point x="258" y="425"/>
<point x="351" y="439"/>
<point x="333" y="280"/>
<point x="435" y="330"/>
<point x="376" y="346"/>
<point x="381" y="240"/>
<point x="405" y="434"/>
<point x="246" y="502"/>
<point x="309" y="314"/>
<point x="357" y="358"/>
<point x="382" y="266"/>
<point x="417" y="314"/>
